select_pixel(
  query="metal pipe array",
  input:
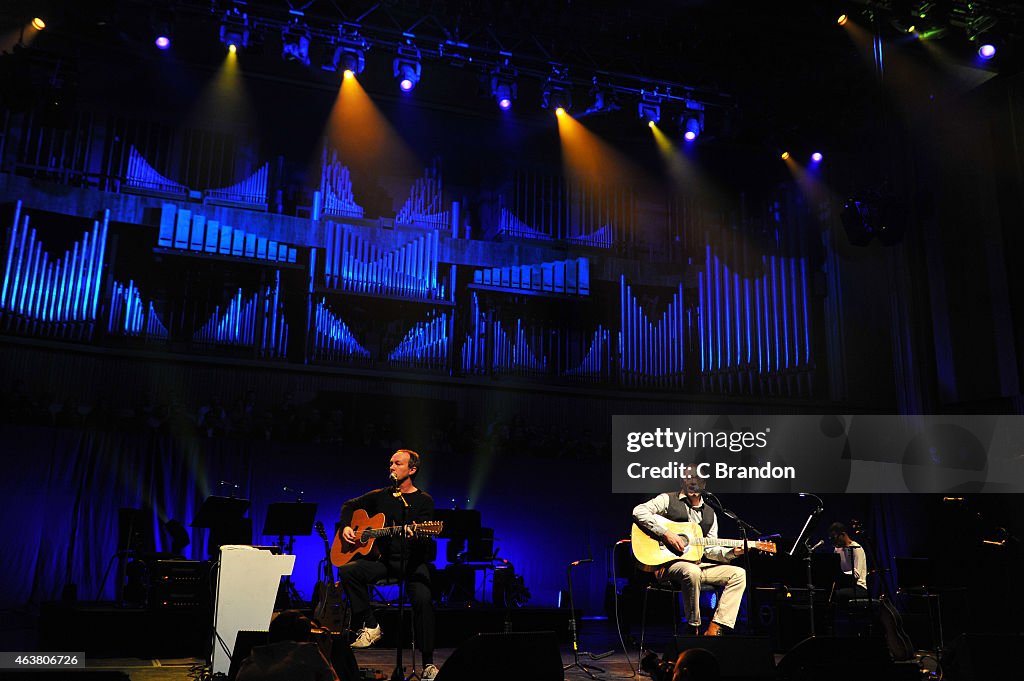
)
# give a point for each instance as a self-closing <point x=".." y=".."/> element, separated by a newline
<point x="598" y="358"/>
<point x="551" y="208"/>
<point x="188" y="231"/>
<point x="425" y="204"/>
<point x="257" y="321"/>
<point x="130" y="317"/>
<point x="652" y="353"/>
<point x="570" y="277"/>
<point x="474" y="359"/>
<point x="252" y="189"/>
<point x="144" y="176"/>
<point x="512" y="355"/>
<point x="37" y="288"/>
<point x="754" y="327"/>
<point x="426" y="345"/>
<point x="354" y="264"/>
<point x="510" y="225"/>
<point x="332" y="338"/>
<point x="336" y="188"/>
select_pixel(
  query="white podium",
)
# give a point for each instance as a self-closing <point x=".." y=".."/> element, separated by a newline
<point x="247" y="585"/>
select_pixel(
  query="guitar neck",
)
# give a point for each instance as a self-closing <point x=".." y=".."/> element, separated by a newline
<point x="370" y="533"/>
<point x="714" y="541"/>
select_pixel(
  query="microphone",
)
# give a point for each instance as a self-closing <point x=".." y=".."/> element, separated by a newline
<point x="394" y="480"/>
<point x="813" y="548"/>
<point x="582" y="560"/>
<point x="821" y="504"/>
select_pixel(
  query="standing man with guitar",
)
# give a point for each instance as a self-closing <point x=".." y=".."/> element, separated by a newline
<point x="711" y="565"/>
<point x="401" y="500"/>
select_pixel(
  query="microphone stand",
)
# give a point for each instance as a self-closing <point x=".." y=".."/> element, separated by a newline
<point x="716" y="503"/>
<point x="588" y="670"/>
<point x="398" y="674"/>
<point x="804" y="540"/>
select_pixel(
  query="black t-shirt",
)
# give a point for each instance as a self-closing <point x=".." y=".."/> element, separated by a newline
<point x="421" y="508"/>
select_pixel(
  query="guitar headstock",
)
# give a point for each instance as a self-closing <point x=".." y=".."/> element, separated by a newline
<point x="766" y="546"/>
<point x="429" y="528"/>
<point x="319" y="527"/>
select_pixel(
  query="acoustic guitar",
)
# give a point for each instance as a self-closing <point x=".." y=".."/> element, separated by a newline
<point x="654" y="552"/>
<point x="330" y="610"/>
<point x="368" y="529"/>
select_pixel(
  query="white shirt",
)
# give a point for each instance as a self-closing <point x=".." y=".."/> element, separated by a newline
<point x="854" y="561"/>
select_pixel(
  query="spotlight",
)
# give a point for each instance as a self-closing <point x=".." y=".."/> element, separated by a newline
<point x="604" y="99"/>
<point x="842" y="20"/>
<point x="162" y="42"/>
<point x="651" y="124"/>
<point x="649" y="107"/>
<point x="38" y="24"/>
<point x="295" y="45"/>
<point x="785" y="156"/>
<point x="987" y="51"/>
<point x="503" y="86"/>
<point x="234" y="30"/>
<point x="349" y="53"/>
<point x="556" y="93"/>
<point x="559" y="111"/>
<point x="816" y="157"/>
<point x="349" y="74"/>
<point x="408" y="67"/>
<point x="692" y="121"/>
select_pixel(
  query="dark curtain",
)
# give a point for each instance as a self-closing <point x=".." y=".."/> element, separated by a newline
<point x="62" y="492"/>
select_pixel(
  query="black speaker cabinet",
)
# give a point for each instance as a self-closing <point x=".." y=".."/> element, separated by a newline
<point x="837" y="659"/>
<point x="739" y="657"/>
<point x="974" y="657"/>
<point x="505" y="657"/>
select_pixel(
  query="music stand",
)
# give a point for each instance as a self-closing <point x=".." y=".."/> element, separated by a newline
<point x="289" y="519"/>
<point x="223" y="517"/>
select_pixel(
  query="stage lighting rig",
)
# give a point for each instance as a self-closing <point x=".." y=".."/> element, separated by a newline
<point x="557" y="91"/>
<point x="295" y="44"/>
<point x="503" y="86"/>
<point x="649" y="107"/>
<point x="234" y="30"/>
<point x="349" y="53"/>
<point x="692" y="120"/>
<point x="408" y="67"/>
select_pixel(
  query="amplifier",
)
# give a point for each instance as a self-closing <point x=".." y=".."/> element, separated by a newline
<point x="180" y="584"/>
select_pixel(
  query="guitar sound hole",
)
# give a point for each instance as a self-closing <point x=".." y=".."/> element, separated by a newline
<point x="686" y="540"/>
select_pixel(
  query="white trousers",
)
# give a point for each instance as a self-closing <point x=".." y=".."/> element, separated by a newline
<point x="689" y="577"/>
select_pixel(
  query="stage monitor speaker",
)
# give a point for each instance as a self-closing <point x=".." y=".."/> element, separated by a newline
<point x="505" y="657"/>
<point x="342" y="658"/>
<point x="974" y="657"/>
<point x="739" y="657"/>
<point x="245" y="641"/>
<point x="837" y="659"/>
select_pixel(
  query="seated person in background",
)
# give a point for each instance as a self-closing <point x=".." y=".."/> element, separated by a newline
<point x="853" y="561"/>
<point x="290" y="655"/>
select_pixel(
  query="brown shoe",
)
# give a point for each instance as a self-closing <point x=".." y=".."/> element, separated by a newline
<point x="715" y="629"/>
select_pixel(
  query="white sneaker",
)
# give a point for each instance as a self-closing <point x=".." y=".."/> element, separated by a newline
<point x="429" y="672"/>
<point x="367" y="637"/>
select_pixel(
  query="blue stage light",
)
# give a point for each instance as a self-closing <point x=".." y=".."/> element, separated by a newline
<point x="163" y="42"/>
<point x="408" y="67"/>
<point x="503" y="86"/>
<point x="987" y="51"/>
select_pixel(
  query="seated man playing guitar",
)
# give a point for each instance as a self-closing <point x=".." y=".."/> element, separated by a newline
<point x="711" y="566"/>
<point x="386" y="555"/>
